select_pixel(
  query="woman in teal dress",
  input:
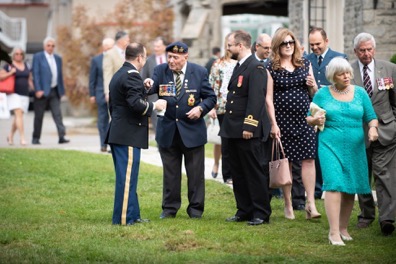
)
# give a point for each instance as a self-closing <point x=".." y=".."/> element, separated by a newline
<point x="342" y="151"/>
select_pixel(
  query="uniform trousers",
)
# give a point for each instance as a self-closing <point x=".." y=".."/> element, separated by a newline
<point x="40" y="104"/>
<point x="194" y="161"/>
<point x="126" y="204"/>
<point x="250" y="177"/>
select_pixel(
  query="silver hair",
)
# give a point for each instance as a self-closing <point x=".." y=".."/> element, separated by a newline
<point x="15" y="49"/>
<point x="48" y="39"/>
<point x="363" y="37"/>
<point x="338" y="65"/>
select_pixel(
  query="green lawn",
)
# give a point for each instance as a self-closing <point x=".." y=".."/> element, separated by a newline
<point x="56" y="207"/>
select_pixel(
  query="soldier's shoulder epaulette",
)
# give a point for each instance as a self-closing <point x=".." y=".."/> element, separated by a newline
<point x="131" y="71"/>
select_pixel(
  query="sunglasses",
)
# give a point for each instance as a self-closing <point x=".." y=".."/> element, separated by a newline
<point x="286" y="43"/>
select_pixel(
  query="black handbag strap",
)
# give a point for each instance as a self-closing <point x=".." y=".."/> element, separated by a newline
<point x="276" y="145"/>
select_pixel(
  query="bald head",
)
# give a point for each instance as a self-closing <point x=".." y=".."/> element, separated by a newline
<point x="107" y="44"/>
<point x="263" y="46"/>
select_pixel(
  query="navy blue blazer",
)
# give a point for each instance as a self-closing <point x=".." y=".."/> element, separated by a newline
<point x="42" y="74"/>
<point x="320" y="71"/>
<point x="96" y="77"/>
<point x="196" y="91"/>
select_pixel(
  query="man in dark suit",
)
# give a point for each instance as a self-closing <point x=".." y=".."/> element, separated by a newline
<point x="246" y="126"/>
<point x="48" y="86"/>
<point x="215" y="55"/>
<point x="128" y="132"/>
<point x="263" y="48"/>
<point x="181" y="132"/>
<point x="96" y="92"/>
<point x="157" y="58"/>
<point x="378" y="78"/>
<point x="320" y="57"/>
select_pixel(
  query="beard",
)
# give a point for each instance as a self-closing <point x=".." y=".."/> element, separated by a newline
<point x="234" y="56"/>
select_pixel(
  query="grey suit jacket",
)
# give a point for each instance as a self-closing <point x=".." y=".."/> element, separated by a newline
<point x="384" y="101"/>
<point x="148" y="69"/>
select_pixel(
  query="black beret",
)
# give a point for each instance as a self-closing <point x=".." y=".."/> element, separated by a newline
<point x="177" y="47"/>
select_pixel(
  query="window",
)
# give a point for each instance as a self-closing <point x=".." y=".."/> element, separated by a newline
<point x="316" y="13"/>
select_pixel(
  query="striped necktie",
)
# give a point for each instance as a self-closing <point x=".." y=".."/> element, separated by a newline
<point x="367" y="81"/>
<point x="178" y="83"/>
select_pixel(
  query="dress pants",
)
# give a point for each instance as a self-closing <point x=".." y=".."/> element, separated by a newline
<point x="250" y="178"/>
<point x="103" y="117"/>
<point x="384" y="170"/>
<point x="126" y="163"/>
<point x="225" y="155"/>
<point x="40" y="104"/>
<point x="366" y="201"/>
<point x="319" y="178"/>
<point x="298" y="190"/>
<point x="194" y="161"/>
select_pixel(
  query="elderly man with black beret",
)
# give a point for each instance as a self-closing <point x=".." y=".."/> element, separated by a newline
<point x="181" y="131"/>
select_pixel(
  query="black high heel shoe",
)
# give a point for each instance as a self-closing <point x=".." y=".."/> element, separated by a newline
<point x="214" y="174"/>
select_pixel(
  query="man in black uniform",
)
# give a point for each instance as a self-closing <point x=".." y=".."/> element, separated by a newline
<point x="128" y="132"/>
<point x="246" y="125"/>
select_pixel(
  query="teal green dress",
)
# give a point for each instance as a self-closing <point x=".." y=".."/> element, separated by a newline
<point x="342" y="151"/>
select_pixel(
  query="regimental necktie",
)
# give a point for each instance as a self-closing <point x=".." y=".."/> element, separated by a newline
<point x="320" y="60"/>
<point x="367" y="81"/>
<point x="178" y="83"/>
<point x="235" y="68"/>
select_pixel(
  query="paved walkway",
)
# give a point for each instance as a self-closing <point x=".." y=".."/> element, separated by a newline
<point x="83" y="136"/>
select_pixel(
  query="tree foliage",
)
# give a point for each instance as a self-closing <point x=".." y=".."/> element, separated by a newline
<point x="78" y="43"/>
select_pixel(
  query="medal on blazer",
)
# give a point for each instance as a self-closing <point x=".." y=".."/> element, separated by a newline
<point x="240" y="79"/>
<point x="191" y="100"/>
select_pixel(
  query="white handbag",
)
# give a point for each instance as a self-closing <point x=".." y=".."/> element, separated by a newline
<point x="4" y="111"/>
<point x="213" y="131"/>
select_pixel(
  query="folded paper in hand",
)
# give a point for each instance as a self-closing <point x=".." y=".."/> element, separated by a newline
<point x="317" y="111"/>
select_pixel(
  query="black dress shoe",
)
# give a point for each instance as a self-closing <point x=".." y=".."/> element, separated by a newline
<point x="387" y="228"/>
<point x="300" y="207"/>
<point x="63" y="140"/>
<point x="163" y="216"/>
<point x="36" y="141"/>
<point x="257" y="221"/>
<point x="196" y="216"/>
<point x="140" y="221"/>
<point x="236" y="218"/>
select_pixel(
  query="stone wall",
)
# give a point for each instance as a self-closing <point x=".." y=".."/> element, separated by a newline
<point x="362" y="16"/>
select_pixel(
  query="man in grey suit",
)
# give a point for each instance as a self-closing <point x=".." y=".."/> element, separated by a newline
<point x="377" y="77"/>
<point x="159" y="57"/>
<point x="320" y="57"/>
<point x="96" y="91"/>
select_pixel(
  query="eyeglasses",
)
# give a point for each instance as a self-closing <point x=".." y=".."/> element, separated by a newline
<point x="286" y="43"/>
<point x="266" y="48"/>
<point x="230" y="45"/>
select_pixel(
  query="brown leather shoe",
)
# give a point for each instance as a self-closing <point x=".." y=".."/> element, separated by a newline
<point x="362" y="224"/>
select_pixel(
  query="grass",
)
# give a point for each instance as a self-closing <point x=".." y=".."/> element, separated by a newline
<point x="56" y="207"/>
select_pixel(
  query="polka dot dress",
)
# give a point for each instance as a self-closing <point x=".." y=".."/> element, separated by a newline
<point x="291" y="102"/>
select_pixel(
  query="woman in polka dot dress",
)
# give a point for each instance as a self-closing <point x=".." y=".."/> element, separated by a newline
<point x="290" y="84"/>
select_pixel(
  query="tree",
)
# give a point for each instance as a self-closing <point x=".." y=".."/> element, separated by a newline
<point x="80" y="42"/>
